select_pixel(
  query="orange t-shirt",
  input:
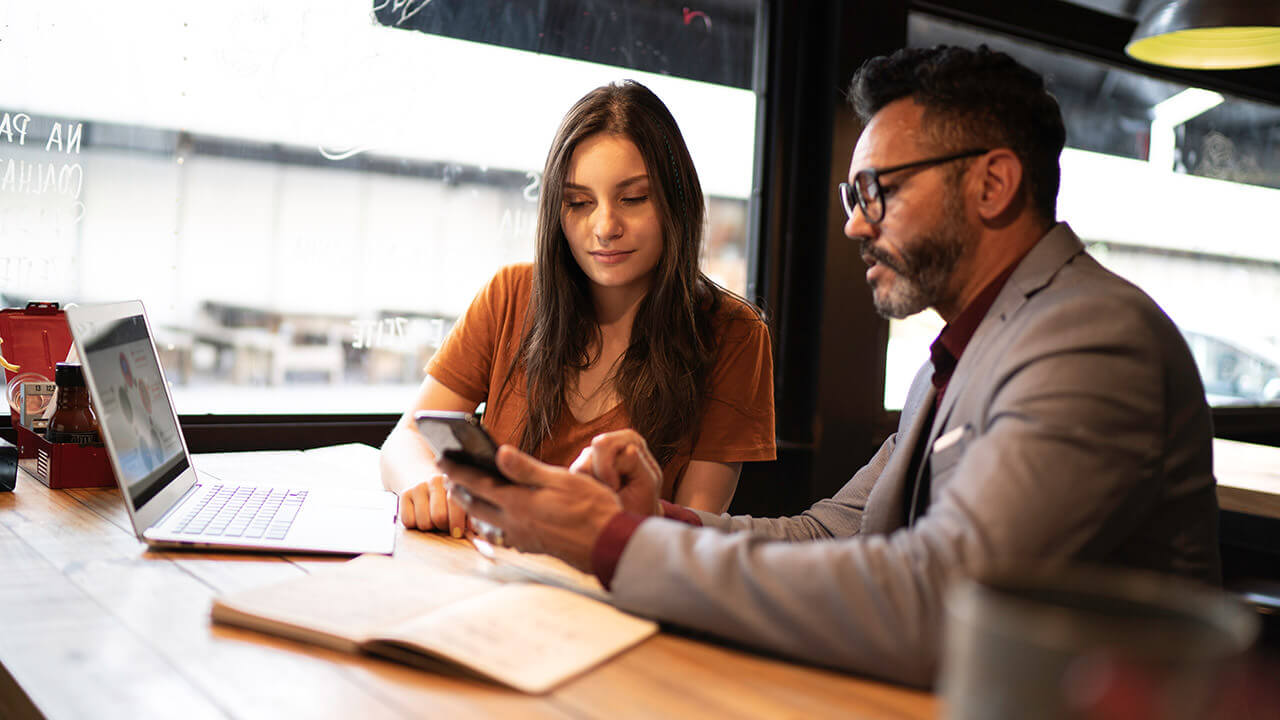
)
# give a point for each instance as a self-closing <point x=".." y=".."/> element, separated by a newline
<point x="737" y="422"/>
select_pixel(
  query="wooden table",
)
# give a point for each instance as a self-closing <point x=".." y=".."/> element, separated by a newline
<point x="94" y="625"/>
<point x="1248" y="477"/>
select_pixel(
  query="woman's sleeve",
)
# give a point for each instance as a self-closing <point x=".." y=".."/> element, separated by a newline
<point x="737" y="421"/>
<point x="464" y="362"/>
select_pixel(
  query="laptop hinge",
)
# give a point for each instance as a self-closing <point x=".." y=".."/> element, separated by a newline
<point x="191" y="491"/>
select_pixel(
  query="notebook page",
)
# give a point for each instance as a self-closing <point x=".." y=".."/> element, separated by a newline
<point x="531" y="637"/>
<point x="350" y="600"/>
<point x="513" y="565"/>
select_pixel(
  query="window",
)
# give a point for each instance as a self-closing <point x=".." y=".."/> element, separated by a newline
<point x="1172" y="187"/>
<point x="307" y="195"/>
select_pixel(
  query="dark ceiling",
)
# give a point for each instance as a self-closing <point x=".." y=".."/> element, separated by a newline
<point x="1131" y="9"/>
<point x="1108" y="108"/>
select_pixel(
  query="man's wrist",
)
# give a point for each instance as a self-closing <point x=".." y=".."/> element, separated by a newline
<point x="617" y="532"/>
<point x="672" y="511"/>
<point x="610" y="543"/>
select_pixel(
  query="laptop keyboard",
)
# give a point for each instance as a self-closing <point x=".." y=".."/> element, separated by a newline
<point x="246" y="512"/>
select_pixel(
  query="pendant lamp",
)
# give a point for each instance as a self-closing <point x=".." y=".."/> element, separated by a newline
<point x="1209" y="34"/>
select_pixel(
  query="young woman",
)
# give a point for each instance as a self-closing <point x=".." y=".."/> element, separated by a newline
<point x="612" y="326"/>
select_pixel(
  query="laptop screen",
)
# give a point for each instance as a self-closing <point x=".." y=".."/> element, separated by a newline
<point x="133" y="406"/>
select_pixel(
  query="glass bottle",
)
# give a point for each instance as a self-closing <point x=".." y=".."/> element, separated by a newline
<point x="74" y="420"/>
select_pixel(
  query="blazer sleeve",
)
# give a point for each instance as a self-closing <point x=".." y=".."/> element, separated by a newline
<point x="837" y="516"/>
<point x="842" y="514"/>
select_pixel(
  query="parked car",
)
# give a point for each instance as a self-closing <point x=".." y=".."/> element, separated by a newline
<point x="1236" y="372"/>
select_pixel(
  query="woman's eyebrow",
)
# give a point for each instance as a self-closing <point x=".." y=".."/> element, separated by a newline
<point x="625" y="183"/>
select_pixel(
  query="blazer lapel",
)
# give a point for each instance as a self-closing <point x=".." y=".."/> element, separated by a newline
<point x="1036" y="270"/>
<point x="886" y="505"/>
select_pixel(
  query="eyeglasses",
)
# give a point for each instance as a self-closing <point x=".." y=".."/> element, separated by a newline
<point x="865" y="191"/>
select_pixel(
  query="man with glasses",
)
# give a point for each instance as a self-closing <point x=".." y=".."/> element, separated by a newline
<point x="1059" y="419"/>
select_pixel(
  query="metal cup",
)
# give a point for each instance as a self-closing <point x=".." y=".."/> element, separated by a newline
<point x="1031" y="647"/>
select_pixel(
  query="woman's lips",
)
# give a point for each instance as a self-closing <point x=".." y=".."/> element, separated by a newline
<point x="611" y="257"/>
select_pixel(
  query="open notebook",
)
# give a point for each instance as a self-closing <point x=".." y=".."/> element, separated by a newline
<point x="528" y="636"/>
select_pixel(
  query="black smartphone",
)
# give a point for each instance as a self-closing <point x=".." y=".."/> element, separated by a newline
<point x="458" y="436"/>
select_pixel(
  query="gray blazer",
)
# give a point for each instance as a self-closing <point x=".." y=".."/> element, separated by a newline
<point x="1074" y="429"/>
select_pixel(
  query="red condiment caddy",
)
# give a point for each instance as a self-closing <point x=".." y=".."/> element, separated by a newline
<point x="36" y="338"/>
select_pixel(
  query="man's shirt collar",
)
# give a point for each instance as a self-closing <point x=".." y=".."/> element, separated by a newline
<point x="946" y="350"/>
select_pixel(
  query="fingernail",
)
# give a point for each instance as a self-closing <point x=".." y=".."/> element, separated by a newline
<point x="456" y="532"/>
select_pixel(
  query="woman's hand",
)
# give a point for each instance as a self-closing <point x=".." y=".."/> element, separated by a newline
<point x="409" y="469"/>
<point x="622" y="461"/>
<point x="430" y="506"/>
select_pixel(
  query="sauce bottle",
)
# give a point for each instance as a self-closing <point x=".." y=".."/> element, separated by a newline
<point x="74" y="420"/>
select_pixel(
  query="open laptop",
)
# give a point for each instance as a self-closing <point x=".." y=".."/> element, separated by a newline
<point x="169" y="504"/>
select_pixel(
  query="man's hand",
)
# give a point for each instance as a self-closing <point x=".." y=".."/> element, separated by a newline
<point x="544" y="509"/>
<point x="622" y="461"/>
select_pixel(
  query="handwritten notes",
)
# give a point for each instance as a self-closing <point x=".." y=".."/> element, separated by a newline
<point x="20" y="271"/>
<point x="406" y="8"/>
<point x="691" y="15"/>
<point x="37" y="178"/>
<point x="534" y="186"/>
<point x="11" y="123"/>
<point x="343" y="153"/>
<point x="710" y="44"/>
<point x="17" y="123"/>
<point x="41" y="186"/>
<point x="528" y="636"/>
<point x="518" y="224"/>
<point x="25" y="176"/>
<point x="399" y="333"/>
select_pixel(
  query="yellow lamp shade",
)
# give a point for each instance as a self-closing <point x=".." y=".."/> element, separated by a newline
<point x="1209" y="35"/>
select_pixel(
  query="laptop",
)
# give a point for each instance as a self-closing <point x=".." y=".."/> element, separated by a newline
<point x="170" y="505"/>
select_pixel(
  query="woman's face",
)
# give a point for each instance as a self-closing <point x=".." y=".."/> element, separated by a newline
<point x="609" y="214"/>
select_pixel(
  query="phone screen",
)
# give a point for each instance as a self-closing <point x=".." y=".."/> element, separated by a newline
<point x="457" y="437"/>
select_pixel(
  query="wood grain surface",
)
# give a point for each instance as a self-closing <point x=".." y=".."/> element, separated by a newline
<point x="92" y="624"/>
<point x="1248" y="477"/>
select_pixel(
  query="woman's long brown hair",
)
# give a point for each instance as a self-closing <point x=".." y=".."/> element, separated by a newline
<point x="662" y="376"/>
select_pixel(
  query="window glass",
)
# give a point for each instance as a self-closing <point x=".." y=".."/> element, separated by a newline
<point x="306" y="195"/>
<point x="1174" y="188"/>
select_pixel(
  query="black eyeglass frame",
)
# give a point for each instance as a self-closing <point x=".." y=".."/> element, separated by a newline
<point x="849" y="194"/>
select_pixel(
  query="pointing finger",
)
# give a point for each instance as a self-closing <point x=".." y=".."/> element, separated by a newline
<point x="583" y="464"/>
<point x="524" y="469"/>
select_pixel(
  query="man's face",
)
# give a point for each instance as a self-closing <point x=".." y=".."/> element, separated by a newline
<point x="911" y="254"/>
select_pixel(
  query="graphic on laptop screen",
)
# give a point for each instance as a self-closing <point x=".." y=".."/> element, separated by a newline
<point x="134" y="408"/>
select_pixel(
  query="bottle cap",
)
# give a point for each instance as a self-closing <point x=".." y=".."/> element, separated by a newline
<point x="69" y="375"/>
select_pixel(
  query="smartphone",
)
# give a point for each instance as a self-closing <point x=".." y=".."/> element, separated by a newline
<point x="458" y="436"/>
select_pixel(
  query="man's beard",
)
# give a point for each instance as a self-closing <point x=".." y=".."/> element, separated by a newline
<point x="926" y="266"/>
